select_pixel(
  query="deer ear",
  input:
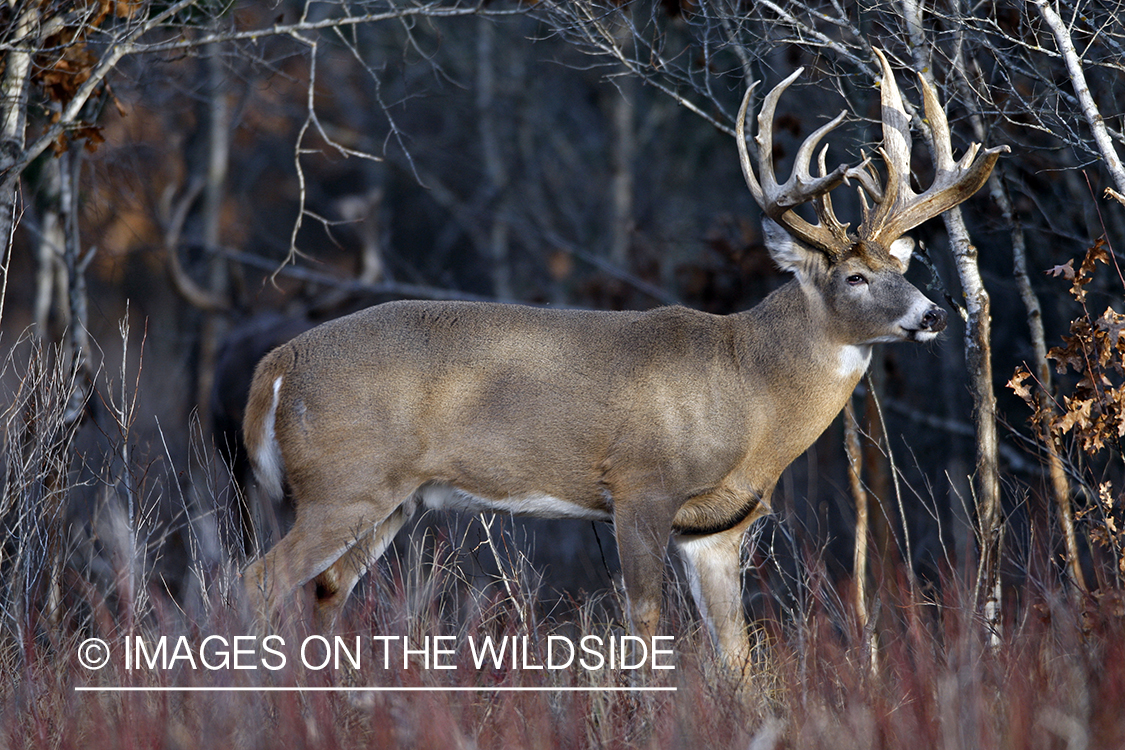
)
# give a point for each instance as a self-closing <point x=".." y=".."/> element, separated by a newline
<point x="789" y="254"/>
<point x="903" y="250"/>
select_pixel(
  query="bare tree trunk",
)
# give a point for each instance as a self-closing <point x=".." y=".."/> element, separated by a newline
<point x="978" y="362"/>
<point x="494" y="167"/>
<point x="50" y="277"/>
<point x="624" y="154"/>
<point x="8" y="220"/>
<point x="1056" y="474"/>
<point x="17" y="70"/>
<point x="854" y="451"/>
<point x="859" y="495"/>
<point x="76" y="261"/>
<point x="61" y="305"/>
<point x="215" y="323"/>
<point x="13" y="116"/>
<point x="882" y="520"/>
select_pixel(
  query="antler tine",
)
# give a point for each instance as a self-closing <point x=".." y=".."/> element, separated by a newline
<point x="743" y="154"/>
<point x="939" y="127"/>
<point x="895" y="151"/>
<point x="823" y="206"/>
<point x="868" y="179"/>
<point x="777" y="201"/>
<point x="801" y="186"/>
<point x="901" y="209"/>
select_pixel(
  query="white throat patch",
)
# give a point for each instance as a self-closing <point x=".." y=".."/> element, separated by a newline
<point x="853" y="360"/>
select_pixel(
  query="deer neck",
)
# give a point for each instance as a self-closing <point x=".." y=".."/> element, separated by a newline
<point x="790" y="338"/>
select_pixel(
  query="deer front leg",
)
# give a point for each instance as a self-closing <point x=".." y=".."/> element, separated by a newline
<point x="642" y="533"/>
<point x="714" y="573"/>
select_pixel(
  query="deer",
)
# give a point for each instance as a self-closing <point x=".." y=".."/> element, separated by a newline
<point x="672" y="424"/>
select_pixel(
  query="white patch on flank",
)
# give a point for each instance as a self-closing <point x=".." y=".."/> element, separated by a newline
<point x="268" y="462"/>
<point x="853" y="360"/>
<point x="438" y="496"/>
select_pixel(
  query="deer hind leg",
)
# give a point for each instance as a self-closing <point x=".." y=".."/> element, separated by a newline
<point x="317" y="541"/>
<point x="714" y="573"/>
<point x="335" y="584"/>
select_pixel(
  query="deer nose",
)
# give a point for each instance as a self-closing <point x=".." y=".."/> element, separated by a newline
<point x="934" y="320"/>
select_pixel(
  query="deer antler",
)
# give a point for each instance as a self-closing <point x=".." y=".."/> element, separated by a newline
<point x="777" y="201"/>
<point x="900" y="209"/>
<point x="897" y="207"/>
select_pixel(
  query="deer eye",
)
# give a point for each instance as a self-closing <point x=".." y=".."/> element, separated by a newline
<point x="856" y="279"/>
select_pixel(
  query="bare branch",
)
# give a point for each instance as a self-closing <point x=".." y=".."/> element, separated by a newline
<point x="1090" y="111"/>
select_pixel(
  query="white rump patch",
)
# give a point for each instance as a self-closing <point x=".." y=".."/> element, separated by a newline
<point x="268" y="462"/>
<point x="853" y="360"/>
<point x="439" y="496"/>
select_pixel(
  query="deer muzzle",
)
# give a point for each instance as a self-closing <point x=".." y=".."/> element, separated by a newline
<point x="934" y="319"/>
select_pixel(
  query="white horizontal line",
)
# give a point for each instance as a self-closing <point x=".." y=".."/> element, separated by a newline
<point x="275" y="689"/>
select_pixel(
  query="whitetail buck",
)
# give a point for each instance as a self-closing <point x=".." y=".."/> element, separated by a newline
<point x="671" y="423"/>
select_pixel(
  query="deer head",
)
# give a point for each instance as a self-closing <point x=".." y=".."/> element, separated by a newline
<point x="872" y="259"/>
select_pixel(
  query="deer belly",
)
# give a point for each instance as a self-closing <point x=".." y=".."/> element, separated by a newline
<point x="442" y="496"/>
